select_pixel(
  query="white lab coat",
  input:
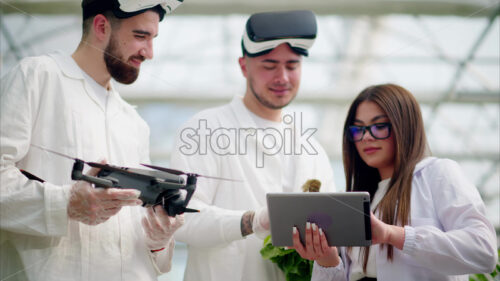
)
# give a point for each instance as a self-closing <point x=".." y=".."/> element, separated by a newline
<point x="47" y="102"/>
<point x="216" y="249"/>
<point x="448" y="237"/>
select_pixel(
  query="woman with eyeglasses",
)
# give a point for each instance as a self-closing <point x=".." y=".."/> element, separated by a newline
<point x="428" y="221"/>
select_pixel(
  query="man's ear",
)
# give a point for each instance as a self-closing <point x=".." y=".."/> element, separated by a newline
<point x="101" y="27"/>
<point x="243" y="65"/>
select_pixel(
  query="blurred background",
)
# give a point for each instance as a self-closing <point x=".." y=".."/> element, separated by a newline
<point x="446" y="52"/>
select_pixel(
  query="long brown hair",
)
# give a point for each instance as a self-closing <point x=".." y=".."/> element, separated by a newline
<point x="408" y="131"/>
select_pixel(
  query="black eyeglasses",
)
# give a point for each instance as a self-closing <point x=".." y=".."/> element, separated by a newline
<point x="378" y="131"/>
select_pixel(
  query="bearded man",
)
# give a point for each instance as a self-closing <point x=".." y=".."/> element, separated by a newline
<point x="63" y="230"/>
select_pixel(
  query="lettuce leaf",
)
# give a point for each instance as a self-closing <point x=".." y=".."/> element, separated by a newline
<point x="289" y="261"/>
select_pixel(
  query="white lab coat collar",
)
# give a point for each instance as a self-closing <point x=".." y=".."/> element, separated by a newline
<point x="67" y="65"/>
<point x="423" y="163"/>
<point x="70" y="68"/>
<point x="245" y="119"/>
<point x="243" y="113"/>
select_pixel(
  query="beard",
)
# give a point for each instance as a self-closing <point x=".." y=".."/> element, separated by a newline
<point x="117" y="65"/>
<point x="268" y="102"/>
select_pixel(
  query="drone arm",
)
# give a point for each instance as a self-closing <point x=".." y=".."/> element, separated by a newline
<point x="190" y="188"/>
<point x="97" y="181"/>
<point x="77" y="174"/>
<point x="31" y="176"/>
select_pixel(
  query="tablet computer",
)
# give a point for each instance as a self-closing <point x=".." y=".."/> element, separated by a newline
<point x="343" y="217"/>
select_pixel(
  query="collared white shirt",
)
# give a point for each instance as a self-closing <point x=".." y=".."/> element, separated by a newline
<point x="216" y="249"/>
<point x="448" y="236"/>
<point x="47" y="102"/>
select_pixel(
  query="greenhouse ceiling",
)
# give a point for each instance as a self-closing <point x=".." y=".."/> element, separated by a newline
<point x="329" y="7"/>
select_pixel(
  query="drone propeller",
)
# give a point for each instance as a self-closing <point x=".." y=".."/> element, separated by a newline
<point x="106" y="166"/>
<point x="98" y="165"/>
<point x="171" y="171"/>
<point x="91" y="164"/>
<point x="55" y="152"/>
<point x="153" y="185"/>
<point x="177" y="172"/>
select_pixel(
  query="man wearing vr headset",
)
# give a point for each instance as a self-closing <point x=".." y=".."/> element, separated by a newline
<point x="219" y="238"/>
<point x="59" y="230"/>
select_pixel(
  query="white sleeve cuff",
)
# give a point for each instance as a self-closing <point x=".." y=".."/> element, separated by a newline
<point x="232" y="226"/>
<point x="331" y="269"/>
<point x="162" y="260"/>
<point x="410" y="243"/>
<point x="321" y="273"/>
<point x="56" y="204"/>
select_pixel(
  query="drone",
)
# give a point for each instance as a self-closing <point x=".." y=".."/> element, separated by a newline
<point x="159" y="186"/>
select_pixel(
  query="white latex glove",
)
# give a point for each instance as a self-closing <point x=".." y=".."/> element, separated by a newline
<point x="93" y="206"/>
<point x="159" y="227"/>
<point x="260" y="223"/>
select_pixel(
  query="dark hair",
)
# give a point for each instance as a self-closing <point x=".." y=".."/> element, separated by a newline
<point x="404" y="114"/>
<point x="87" y="23"/>
<point x="111" y="10"/>
<point x="91" y="8"/>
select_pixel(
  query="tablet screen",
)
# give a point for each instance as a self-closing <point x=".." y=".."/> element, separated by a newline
<point x="344" y="217"/>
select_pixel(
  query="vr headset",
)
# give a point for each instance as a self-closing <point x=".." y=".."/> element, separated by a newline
<point x="128" y="8"/>
<point x="265" y="31"/>
<point x="131" y="6"/>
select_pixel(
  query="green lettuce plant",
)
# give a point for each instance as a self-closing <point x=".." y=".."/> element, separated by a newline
<point x="289" y="261"/>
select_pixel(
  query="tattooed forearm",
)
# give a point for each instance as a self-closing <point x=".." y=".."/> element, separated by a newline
<point x="246" y="223"/>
